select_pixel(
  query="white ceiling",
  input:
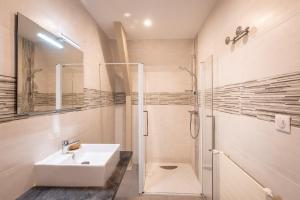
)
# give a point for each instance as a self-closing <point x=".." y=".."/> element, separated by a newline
<point x="172" y="19"/>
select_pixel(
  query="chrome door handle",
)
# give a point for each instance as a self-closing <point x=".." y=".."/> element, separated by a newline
<point x="147" y="129"/>
<point x="214" y="151"/>
<point x="213" y="130"/>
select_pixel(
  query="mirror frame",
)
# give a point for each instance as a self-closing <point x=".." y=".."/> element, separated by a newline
<point x="16" y="62"/>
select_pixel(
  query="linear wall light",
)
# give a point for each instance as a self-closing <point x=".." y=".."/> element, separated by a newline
<point x="50" y="40"/>
<point x="68" y="40"/>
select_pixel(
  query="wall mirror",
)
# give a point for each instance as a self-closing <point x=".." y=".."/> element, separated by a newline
<point x="49" y="70"/>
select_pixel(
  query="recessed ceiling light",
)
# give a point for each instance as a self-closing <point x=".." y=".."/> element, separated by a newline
<point x="127" y="14"/>
<point x="147" y="22"/>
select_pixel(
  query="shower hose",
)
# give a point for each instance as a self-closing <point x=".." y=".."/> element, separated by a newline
<point x="197" y="124"/>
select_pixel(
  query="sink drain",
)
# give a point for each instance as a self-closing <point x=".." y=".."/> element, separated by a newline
<point x="169" y="167"/>
<point x="85" y="162"/>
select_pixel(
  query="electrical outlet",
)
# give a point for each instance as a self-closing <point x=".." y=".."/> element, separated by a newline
<point x="283" y="123"/>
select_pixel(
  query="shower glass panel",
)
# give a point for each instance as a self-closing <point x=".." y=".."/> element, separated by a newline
<point x="129" y="110"/>
<point x="208" y="120"/>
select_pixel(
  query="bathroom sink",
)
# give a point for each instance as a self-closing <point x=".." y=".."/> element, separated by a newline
<point x="91" y="165"/>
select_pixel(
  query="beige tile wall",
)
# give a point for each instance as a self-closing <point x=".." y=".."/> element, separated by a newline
<point x="24" y="142"/>
<point x="272" y="48"/>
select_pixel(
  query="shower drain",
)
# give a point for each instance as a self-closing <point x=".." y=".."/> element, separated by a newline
<point x="169" y="167"/>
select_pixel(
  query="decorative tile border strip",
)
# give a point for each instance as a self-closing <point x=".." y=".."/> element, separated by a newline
<point x="168" y="98"/>
<point x="95" y="98"/>
<point x="158" y="98"/>
<point x="227" y="98"/>
<point x="90" y="99"/>
<point x="262" y="98"/>
<point x="73" y="100"/>
<point x="69" y="100"/>
<point x="107" y="98"/>
<point x="165" y="98"/>
<point x="120" y="98"/>
<point x="7" y="98"/>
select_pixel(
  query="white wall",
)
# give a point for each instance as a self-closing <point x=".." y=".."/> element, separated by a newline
<point x="24" y="142"/>
<point x="272" y="48"/>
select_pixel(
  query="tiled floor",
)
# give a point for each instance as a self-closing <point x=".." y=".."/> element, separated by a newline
<point x="129" y="190"/>
<point x="181" y="180"/>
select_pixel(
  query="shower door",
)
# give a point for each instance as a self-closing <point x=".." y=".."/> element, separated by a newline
<point x="208" y="120"/>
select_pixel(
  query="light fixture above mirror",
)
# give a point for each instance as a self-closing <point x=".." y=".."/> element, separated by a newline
<point x="68" y="40"/>
<point x="50" y="40"/>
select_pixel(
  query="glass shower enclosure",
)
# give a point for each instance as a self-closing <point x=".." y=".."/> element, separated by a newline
<point x="198" y="173"/>
<point x="203" y="169"/>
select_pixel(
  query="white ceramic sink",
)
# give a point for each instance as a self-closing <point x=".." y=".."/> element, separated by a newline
<point x="91" y="165"/>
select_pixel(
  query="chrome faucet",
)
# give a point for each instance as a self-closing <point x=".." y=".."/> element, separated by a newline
<point x="66" y="144"/>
